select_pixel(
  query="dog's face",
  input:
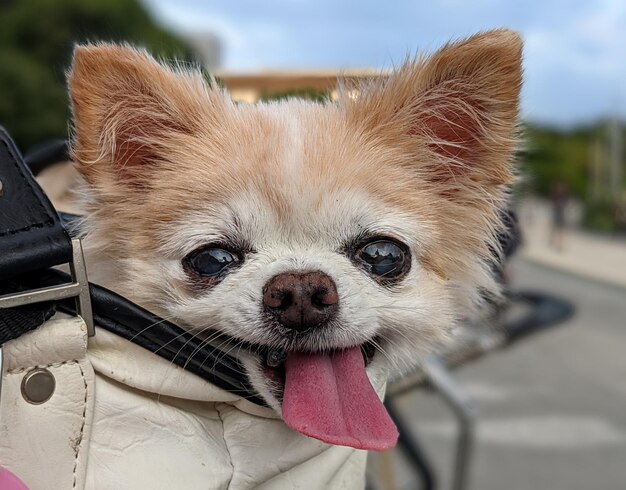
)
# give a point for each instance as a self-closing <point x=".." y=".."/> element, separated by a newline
<point x="294" y="225"/>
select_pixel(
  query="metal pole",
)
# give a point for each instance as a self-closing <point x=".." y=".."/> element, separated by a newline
<point x="412" y="449"/>
<point x="441" y="380"/>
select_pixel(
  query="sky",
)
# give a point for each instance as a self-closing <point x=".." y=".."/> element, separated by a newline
<point x="574" y="57"/>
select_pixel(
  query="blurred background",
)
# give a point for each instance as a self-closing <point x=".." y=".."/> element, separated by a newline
<point x="551" y="409"/>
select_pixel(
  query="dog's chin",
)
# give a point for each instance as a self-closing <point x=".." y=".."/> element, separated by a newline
<point x="266" y="372"/>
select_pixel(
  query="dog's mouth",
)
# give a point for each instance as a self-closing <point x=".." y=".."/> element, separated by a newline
<point x="273" y="362"/>
<point x="328" y="396"/>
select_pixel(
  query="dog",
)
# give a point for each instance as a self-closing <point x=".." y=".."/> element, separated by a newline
<point x="337" y="242"/>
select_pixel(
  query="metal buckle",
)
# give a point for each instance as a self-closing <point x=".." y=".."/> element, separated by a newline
<point x="78" y="288"/>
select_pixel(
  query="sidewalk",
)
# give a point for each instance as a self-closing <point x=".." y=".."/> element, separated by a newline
<point x="592" y="256"/>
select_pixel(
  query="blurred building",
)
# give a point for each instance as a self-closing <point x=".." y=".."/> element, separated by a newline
<point x="250" y="87"/>
<point x="208" y="49"/>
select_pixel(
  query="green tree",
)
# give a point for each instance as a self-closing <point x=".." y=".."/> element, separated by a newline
<point x="557" y="155"/>
<point x="36" y="42"/>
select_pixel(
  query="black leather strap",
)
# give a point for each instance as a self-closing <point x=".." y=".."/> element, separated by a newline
<point x="15" y="322"/>
<point x="31" y="235"/>
<point x="121" y="317"/>
<point x="31" y="238"/>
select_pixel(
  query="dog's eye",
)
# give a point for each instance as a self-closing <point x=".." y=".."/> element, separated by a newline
<point x="385" y="259"/>
<point x="210" y="261"/>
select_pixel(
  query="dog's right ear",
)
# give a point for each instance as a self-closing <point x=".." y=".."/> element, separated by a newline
<point x="127" y="109"/>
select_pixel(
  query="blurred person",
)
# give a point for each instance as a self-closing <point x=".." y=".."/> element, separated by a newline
<point x="559" y="200"/>
<point x="620" y="213"/>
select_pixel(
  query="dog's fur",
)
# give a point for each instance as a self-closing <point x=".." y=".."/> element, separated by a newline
<point x="170" y="164"/>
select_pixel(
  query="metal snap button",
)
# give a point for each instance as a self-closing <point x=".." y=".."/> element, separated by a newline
<point x="38" y="386"/>
<point x="1" y="189"/>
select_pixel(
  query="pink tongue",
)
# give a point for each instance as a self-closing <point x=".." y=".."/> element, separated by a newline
<point x="329" y="397"/>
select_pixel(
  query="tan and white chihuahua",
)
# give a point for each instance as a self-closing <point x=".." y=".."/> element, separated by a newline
<point x="335" y="240"/>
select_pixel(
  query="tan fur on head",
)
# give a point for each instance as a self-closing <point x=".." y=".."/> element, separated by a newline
<point x="171" y="163"/>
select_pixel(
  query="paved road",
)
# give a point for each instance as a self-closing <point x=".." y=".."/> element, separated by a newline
<point x="553" y="407"/>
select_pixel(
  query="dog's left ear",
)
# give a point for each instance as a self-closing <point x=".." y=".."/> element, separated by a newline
<point x="456" y="111"/>
<point x="128" y="109"/>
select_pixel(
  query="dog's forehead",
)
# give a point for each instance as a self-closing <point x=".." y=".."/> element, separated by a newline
<point x="305" y="165"/>
<point x="293" y="172"/>
<point x="297" y="154"/>
<point x="298" y="144"/>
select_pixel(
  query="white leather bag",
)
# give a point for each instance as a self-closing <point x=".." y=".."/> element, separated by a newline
<point x="120" y="417"/>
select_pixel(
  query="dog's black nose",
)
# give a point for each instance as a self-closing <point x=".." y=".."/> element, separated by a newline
<point x="301" y="300"/>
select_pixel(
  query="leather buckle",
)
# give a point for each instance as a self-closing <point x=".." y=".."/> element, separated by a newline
<point x="78" y="288"/>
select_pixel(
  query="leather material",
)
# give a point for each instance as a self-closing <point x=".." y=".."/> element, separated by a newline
<point x="158" y="426"/>
<point x="19" y="320"/>
<point x="122" y="418"/>
<point x="124" y="318"/>
<point x="46" y="445"/>
<point x="31" y="235"/>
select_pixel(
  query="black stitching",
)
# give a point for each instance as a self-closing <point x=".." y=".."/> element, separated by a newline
<point x="50" y="222"/>
<point x="82" y="427"/>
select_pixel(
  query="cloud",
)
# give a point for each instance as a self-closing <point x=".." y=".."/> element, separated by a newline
<point x="576" y="66"/>
<point x="575" y="59"/>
